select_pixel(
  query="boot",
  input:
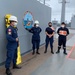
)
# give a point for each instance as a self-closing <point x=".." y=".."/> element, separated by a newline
<point x="8" y="72"/>
<point x="58" y="51"/>
<point x="33" y="52"/>
<point x="37" y="52"/>
<point x="52" y="51"/>
<point x="16" y="67"/>
<point x="65" y="51"/>
<point x="45" y="51"/>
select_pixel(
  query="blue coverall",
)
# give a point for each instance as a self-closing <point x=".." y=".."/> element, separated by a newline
<point x="11" y="35"/>
<point x="35" y="37"/>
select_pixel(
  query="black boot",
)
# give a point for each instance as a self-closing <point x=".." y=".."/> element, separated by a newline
<point x="37" y="52"/>
<point x="52" y="51"/>
<point x="33" y="52"/>
<point x="65" y="51"/>
<point x="16" y="67"/>
<point x="58" y="51"/>
<point x="8" y="72"/>
<point x="45" y="51"/>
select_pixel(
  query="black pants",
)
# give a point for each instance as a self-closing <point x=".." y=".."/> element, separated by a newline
<point x="62" y="41"/>
<point x="49" y="40"/>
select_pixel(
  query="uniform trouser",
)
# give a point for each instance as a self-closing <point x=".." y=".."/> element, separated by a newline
<point x="11" y="56"/>
<point x="36" y="44"/>
<point x="47" y="42"/>
<point x="62" y="41"/>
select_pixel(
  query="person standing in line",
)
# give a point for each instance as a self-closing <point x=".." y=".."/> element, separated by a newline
<point x="35" y="37"/>
<point x="49" y="37"/>
<point x="62" y="32"/>
<point x="13" y="42"/>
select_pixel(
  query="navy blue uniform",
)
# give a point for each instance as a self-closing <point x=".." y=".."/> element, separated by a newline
<point x="11" y="35"/>
<point x="62" y="32"/>
<point x="35" y="37"/>
<point x="48" y="39"/>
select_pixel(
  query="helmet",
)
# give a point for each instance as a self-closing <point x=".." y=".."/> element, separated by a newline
<point x="13" y="18"/>
<point x="36" y="22"/>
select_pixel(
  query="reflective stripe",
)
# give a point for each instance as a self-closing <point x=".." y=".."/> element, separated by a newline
<point x="62" y="32"/>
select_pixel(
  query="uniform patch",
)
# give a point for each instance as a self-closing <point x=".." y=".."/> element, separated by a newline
<point x="9" y="31"/>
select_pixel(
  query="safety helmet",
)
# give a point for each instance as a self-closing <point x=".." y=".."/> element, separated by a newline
<point x="13" y="18"/>
<point x="36" y="22"/>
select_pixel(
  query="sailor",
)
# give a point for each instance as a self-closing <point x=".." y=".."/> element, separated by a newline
<point x="49" y="37"/>
<point x="62" y="32"/>
<point x="13" y="43"/>
<point x="35" y="37"/>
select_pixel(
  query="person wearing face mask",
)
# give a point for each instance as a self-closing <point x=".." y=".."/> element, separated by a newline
<point x="62" y="32"/>
<point x="12" y="44"/>
<point x="49" y="37"/>
<point x="35" y="37"/>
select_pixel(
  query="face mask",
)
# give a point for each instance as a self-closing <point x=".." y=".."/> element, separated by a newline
<point x="62" y="26"/>
<point x="50" y="25"/>
<point x="15" y="24"/>
<point x="37" y="25"/>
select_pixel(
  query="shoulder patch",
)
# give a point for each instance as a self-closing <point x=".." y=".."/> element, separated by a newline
<point x="9" y="31"/>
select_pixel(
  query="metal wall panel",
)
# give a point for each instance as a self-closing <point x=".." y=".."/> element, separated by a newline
<point x="18" y="8"/>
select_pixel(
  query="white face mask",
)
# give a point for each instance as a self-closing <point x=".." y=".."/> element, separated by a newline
<point x="62" y="26"/>
<point x="37" y="25"/>
<point x="15" y="24"/>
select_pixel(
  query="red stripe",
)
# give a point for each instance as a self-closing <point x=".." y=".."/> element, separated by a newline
<point x="71" y="58"/>
<point x="70" y="52"/>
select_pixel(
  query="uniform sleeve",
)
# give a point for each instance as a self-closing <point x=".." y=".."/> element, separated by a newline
<point x="58" y="31"/>
<point x="9" y="35"/>
<point x="46" y="30"/>
<point x="40" y="30"/>
<point x="53" y="30"/>
<point x="67" y="31"/>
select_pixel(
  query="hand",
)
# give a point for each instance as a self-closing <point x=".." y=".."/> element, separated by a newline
<point x="18" y="44"/>
<point x="50" y="36"/>
<point x="17" y="39"/>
